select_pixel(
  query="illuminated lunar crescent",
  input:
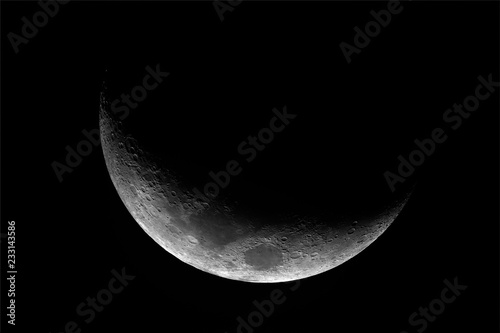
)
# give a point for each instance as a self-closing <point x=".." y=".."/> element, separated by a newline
<point x="215" y="236"/>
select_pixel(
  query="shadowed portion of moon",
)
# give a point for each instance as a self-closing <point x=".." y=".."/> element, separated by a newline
<point x="220" y="236"/>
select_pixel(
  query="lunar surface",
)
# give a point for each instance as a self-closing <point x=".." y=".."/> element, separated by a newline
<point x="217" y="235"/>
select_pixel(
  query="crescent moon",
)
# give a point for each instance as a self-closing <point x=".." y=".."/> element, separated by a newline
<point x="215" y="236"/>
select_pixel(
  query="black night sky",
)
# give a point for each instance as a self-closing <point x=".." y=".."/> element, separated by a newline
<point x="353" y="121"/>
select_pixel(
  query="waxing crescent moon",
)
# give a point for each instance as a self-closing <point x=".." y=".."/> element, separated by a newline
<point x="215" y="236"/>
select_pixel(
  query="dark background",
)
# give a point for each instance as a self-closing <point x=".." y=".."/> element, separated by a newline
<point x="225" y="78"/>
